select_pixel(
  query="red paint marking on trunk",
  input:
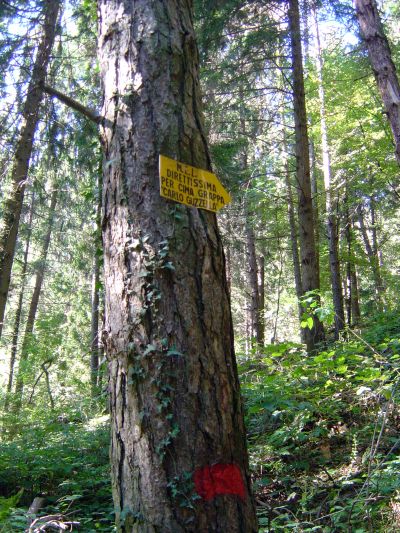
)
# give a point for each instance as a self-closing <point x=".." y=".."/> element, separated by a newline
<point x="210" y="481"/>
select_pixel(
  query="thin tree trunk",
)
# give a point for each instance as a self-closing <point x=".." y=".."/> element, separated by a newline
<point x="228" y="254"/>
<point x="373" y="260"/>
<point x="309" y="273"/>
<point x="305" y="10"/>
<point x="355" y="302"/>
<point x="314" y="195"/>
<point x="176" y="414"/>
<point x="13" y="203"/>
<point x="295" y="249"/>
<point x="252" y="270"/>
<point x="252" y="273"/>
<point x="347" y="293"/>
<point x="261" y="299"/>
<point x="331" y="200"/>
<point x="382" y="64"/>
<point x="94" y="327"/>
<point x="30" y="322"/>
<point x="18" y="312"/>
<point x="293" y="227"/>
<point x="353" y="305"/>
<point x="94" y="335"/>
<point x="278" y="299"/>
<point x="349" y="267"/>
<point x="374" y="231"/>
<point x="292" y="217"/>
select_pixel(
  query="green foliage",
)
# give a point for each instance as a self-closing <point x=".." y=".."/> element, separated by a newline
<point x="8" y="504"/>
<point x="324" y="432"/>
<point x="66" y="461"/>
<point x="182" y="489"/>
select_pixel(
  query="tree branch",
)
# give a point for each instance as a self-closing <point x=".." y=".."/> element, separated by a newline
<point x="73" y="104"/>
<point x="44" y="371"/>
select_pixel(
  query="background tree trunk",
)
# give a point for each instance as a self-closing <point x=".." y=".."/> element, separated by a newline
<point x="382" y="64"/>
<point x="13" y="203"/>
<point x="252" y="274"/>
<point x="315" y="204"/>
<point x="18" y="312"/>
<point x="175" y="400"/>
<point x="353" y="304"/>
<point x="291" y="215"/>
<point x="94" y="329"/>
<point x="261" y="300"/>
<point x="252" y="268"/>
<point x="30" y="322"/>
<point x="309" y="273"/>
<point x="373" y="259"/>
<point x="331" y="199"/>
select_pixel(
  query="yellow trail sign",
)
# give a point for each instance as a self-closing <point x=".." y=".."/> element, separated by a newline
<point x="191" y="186"/>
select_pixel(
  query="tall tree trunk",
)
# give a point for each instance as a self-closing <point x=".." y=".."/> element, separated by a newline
<point x="252" y="270"/>
<point x="382" y="64"/>
<point x="331" y="200"/>
<point x="178" y="453"/>
<point x="305" y="11"/>
<point x="309" y="273"/>
<point x="13" y="203"/>
<point x="30" y="322"/>
<point x="292" y="218"/>
<point x="18" y="312"/>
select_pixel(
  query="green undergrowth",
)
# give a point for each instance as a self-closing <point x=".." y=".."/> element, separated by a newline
<point x="66" y="461"/>
<point x="324" y="433"/>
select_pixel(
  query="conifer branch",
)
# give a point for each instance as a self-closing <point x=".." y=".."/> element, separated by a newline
<point x="73" y="104"/>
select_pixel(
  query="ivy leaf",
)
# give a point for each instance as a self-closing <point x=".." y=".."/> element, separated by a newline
<point x="174" y="352"/>
<point x="150" y="349"/>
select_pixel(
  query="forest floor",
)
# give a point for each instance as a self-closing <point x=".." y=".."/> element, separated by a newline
<point x="323" y="441"/>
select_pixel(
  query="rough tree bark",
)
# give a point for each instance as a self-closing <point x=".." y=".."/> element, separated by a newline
<point x="30" y="115"/>
<point x="331" y="199"/>
<point x="309" y="273"/>
<point x="175" y="402"/>
<point x="382" y="64"/>
<point x="33" y="306"/>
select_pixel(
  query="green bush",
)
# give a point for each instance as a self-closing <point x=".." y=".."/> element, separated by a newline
<point x="323" y="432"/>
<point x="68" y="464"/>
